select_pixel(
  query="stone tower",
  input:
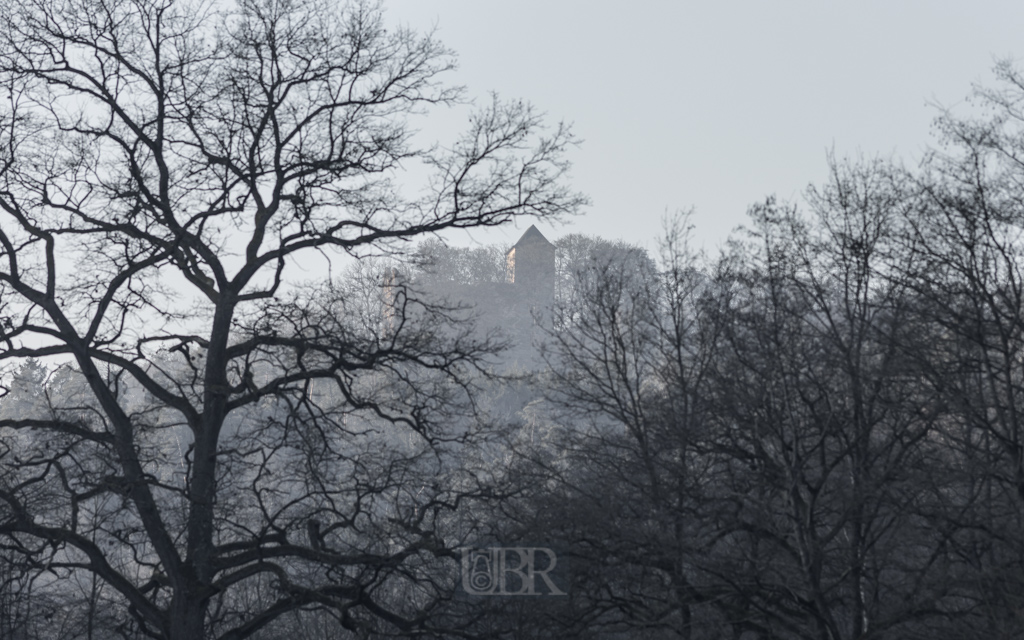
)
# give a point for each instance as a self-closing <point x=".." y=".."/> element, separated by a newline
<point x="530" y="265"/>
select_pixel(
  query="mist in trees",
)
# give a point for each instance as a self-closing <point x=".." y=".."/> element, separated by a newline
<point x="220" y="449"/>
<point x="812" y="435"/>
<point x="816" y="434"/>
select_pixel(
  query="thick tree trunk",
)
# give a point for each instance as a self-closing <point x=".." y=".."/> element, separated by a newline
<point x="186" y="617"/>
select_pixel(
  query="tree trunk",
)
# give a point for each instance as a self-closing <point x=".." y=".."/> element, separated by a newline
<point x="186" y="616"/>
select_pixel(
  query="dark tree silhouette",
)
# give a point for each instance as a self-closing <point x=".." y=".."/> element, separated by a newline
<point x="228" y="448"/>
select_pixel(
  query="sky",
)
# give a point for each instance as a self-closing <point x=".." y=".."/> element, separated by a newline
<point x="713" y="106"/>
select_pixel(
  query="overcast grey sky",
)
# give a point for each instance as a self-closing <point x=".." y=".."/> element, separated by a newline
<point x="715" y="105"/>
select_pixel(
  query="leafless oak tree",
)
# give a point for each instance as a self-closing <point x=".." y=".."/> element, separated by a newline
<point x="217" y="462"/>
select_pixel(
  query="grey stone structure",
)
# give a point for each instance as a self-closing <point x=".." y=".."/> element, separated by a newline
<point x="517" y="309"/>
<point x="530" y="266"/>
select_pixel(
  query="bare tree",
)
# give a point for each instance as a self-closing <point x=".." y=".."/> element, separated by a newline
<point x="756" y="451"/>
<point x="823" y="403"/>
<point x="968" y="231"/>
<point x="613" y="470"/>
<point x="164" y="166"/>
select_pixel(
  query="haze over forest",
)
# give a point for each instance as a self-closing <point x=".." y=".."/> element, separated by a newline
<point x="813" y="433"/>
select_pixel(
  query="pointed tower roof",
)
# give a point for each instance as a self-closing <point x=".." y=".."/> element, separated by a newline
<point x="531" y="236"/>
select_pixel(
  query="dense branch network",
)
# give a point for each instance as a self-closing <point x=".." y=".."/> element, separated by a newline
<point x="165" y="166"/>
